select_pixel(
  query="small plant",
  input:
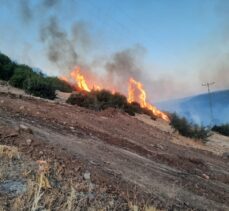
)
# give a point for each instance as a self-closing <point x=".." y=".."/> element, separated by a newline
<point x="42" y="183"/>
<point x="188" y="129"/>
<point x="9" y="152"/>
<point x="222" y="129"/>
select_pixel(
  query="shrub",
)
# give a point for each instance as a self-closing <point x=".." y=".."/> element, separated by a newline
<point x="222" y="129"/>
<point x="59" y="84"/>
<point x="40" y="87"/>
<point x="100" y="100"/>
<point x="188" y="129"/>
<point x="6" y="67"/>
<point x="7" y="71"/>
<point x="20" y="75"/>
<point x="4" y="60"/>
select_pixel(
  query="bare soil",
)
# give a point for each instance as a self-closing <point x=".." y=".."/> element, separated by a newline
<point x="127" y="156"/>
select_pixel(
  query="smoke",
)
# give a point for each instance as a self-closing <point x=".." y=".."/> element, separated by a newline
<point x="29" y="10"/>
<point x="125" y="64"/>
<point x="81" y="36"/>
<point x="215" y="61"/>
<point x="59" y="47"/>
<point x="26" y="11"/>
<point x="50" y="3"/>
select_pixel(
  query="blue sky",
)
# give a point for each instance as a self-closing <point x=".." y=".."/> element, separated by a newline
<point x="179" y="37"/>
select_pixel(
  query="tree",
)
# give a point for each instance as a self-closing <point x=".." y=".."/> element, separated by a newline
<point x="40" y="87"/>
<point x="59" y="84"/>
<point x="19" y="76"/>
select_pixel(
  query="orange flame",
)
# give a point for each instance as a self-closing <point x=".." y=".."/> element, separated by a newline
<point x="63" y="78"/>
<point x="79" y="78"/>
<point x="137" y="93"/>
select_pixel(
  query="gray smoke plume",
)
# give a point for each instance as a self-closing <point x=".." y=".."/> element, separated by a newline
<point x="30" y="11"/>
<point x="81" y="36"/>
<point x="26" y="11"/>
<point x="125" y="64"/>
<point x="60" y="49"/>
<point x="50" y="3"/>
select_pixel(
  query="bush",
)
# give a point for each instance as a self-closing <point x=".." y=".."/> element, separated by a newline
<point x="188" y="129"/>
<point x="6" y="67"/>
<point x="7" y="71"/>
<point x="82" y="99"/>
<point x="59" y="84"/>
<point x="40" y="87"/>
<point x="4" y="60"/>
<point x="222" y="129"/>
<point x="100" y="100"/>
<point x="20" y="75"/>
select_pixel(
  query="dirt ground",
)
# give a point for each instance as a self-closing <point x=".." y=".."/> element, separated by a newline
<point x="130" y="158"/>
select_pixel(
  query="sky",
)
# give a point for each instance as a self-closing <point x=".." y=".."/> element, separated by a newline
<point x="172" y="46"/>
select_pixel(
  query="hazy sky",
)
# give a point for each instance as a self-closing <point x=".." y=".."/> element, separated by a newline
<point x="170" y="45"/>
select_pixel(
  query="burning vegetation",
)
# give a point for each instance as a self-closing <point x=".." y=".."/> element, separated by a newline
<point x="88" y="94"/>
<point x="94" y="96"/>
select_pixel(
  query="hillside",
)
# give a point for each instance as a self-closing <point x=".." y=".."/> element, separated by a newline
<point x="196" y="108"/>
<point x="104" y="160"/>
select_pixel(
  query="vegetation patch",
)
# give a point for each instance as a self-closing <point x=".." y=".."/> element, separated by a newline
<point x="103" y="99"/>
<point x="188" y="129"/>
<point x="33" y="82"/>
<point x="222" y="129"/>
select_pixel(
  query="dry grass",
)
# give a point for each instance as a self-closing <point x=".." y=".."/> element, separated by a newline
<point x="9" y="152"/>
<point x="41" y="194"/>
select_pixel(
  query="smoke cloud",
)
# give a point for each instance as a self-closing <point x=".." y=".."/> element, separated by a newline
<point x="26" y="11"/>
<point x="125" y="64"/>
<point x="60" y="49"/>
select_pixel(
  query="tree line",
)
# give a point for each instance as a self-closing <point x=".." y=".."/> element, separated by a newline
<point x="33" y="82"/>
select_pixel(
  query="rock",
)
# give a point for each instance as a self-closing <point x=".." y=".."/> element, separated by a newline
<point x="2" y="101"/>
<point x="28" y="141"/>
<point x="22" y="107"/>
<point x="225" y="155"/>
<point x="205" y="176"/>
<point x="12" y="188"/>
<point x="111" y="202"/>
<point x="87" y="176"/>
<point x="91" y="187"/>
<point x="159" y="146"/>
<point x="41" y="153"/>
<point x="91" y="196"/>
<point x="72" y="128"/>
<point x="25" y="128"/>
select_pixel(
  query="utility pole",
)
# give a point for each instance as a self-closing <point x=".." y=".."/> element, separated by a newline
<point x="208" y="84"/>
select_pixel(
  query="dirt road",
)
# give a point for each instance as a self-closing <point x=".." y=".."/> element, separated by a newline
<point x="123" y="152"/>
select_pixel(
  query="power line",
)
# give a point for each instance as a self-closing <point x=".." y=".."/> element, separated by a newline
<point x="208" y="84"/>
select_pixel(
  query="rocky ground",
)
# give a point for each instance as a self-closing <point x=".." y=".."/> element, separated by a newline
<point x="56" y="156"/>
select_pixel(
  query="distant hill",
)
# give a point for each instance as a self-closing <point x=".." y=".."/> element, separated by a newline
<point x="196" y="108"/>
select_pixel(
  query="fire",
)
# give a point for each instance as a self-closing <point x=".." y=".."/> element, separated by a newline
<point x="63" y="78"/>
<point x="137" y="93"/>
<point x="79" y="78"/>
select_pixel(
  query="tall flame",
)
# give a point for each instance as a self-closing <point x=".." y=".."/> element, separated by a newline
<point x="79" y="78"/>
<point x="137" y="93"/>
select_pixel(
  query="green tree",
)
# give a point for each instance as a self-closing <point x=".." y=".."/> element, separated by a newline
<point x="39" y="86"/>
<point x="188" y="129"/>
<point x="59" y="84"/>
<point x="20" y="75"/>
